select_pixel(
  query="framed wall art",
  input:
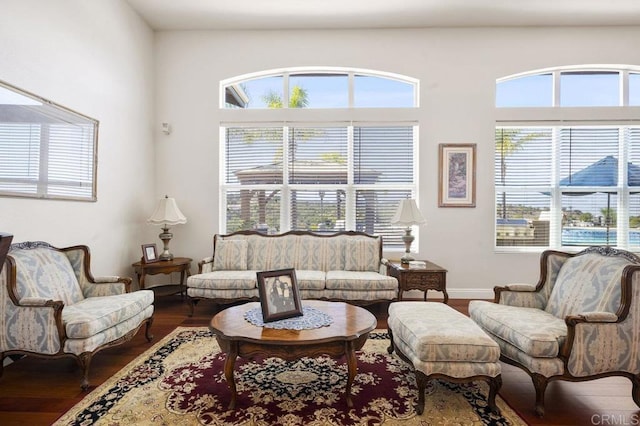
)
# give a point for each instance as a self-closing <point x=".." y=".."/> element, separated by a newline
<point x="457" y="175"/>
<point x="279" y="296"/>
<point x="149" y="253"/>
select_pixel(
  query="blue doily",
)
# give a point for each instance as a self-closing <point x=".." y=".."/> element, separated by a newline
<point x="311" y="318"/>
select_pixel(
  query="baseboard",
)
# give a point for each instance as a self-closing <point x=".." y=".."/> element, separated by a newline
<point x="454" y="293"/>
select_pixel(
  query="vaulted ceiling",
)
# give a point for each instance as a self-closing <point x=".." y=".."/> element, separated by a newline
<point x="348" y="14"/>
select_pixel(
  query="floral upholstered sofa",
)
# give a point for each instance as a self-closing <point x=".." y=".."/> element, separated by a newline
<point x="52" y="306"/>
<point x="346" y="266"/>
<point x="580" y="322"/>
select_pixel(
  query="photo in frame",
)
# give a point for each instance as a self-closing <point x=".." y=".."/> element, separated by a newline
<point x="279" y="296"/>
<point x="457" y="175"/>
<point x="149" y="253"/>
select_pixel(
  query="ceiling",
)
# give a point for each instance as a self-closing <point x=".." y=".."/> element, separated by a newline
<point x="352" y="14"/>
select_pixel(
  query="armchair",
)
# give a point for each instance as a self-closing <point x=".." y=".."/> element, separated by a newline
<point x="580" y="322"/>
<point x="52" y="306"/>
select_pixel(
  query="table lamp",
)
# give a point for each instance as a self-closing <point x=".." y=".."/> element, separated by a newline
<point x="167" y="213"/>
<point x="407" y="214"/>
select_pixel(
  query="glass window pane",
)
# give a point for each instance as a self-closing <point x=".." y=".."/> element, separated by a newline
<point x="318" y="91"/>
<point x="374" y="146"/>
<point x="374" y="210"/>
<point x="318" y="211"/>
<point x="264" y="92"/>
<point x="634" y="220"/>
<point x="253" y="155"/>
<point x="373" y="92"/>
<point x="318" y="155"/>
<point x="634" y="89"/>
<point x="588" y="157"/>
<point x="522" y="218"/>
<point x="527" y="91"/>
<point x="589" y="89"/>
<point x="589" y="219"/>
<point x="633" y="167"/>
<point x="522" y="156"/>
<point x="253" y="209"/>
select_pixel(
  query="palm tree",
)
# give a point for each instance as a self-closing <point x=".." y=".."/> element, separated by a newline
<point x="299" y="98"/>
<point x="509" y="141"/>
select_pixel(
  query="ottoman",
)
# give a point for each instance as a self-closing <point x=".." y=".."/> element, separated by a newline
<point x="440" y="342"/>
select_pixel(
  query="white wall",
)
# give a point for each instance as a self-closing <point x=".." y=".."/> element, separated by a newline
<point x="457" y="69"/>
<point x="95" y="57"/>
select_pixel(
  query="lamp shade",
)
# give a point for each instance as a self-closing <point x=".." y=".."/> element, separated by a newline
<point x="408" y="213"/>
<point x="167" y="213"/>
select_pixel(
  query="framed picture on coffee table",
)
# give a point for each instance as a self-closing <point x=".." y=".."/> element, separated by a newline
<point x="279" y="296"/>
<point x="149" y="253"/>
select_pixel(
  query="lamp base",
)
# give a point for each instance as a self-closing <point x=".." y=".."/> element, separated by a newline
<point x="165" y="236"/>
<point x="407" y="238"/>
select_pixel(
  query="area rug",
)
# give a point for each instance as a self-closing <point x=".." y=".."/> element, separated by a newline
<point x="180" y="380"/>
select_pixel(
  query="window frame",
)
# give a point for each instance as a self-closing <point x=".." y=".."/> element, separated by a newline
<point x="557" y="117"/>
<point x="350" y="117"/>
<point x="65" y="116"/>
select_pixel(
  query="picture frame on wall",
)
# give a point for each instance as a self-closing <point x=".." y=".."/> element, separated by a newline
<point x="149" y="253"/>
<point x="457" y="175"/>
<point x="279" y="295"/>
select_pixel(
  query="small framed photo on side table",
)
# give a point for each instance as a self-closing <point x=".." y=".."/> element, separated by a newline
<point x="149" y="253"/>
<point x="279" y="296"/>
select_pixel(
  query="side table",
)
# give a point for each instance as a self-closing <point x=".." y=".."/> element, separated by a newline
<point x="177" y="264"/>
<point x="429" y="277"/>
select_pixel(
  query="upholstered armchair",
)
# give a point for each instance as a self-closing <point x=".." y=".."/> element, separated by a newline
<point x="52" y="306"/>
<point x="580" y="322"/>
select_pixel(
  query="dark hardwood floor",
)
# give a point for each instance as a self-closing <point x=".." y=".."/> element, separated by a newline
<point x="35" y="391"/>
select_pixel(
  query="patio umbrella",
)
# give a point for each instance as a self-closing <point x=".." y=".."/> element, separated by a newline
<point x="603" y="172"/>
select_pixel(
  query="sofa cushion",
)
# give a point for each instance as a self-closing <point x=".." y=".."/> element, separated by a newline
<point x="533" y="331"/>
<point x="93" y="315"/>
<point x="362" y="254"/>
<point x="587" y="283"/>
<point x="310" y="280"/>
<point x="224" y="280"/>
<point x="46" y="273"/>
<point x="230" y="255"/>
<point x="361" y="281"/>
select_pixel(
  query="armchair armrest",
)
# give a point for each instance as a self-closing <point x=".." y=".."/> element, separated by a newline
<point x="107" y="286"/>
<point x="519" y="294"/>
<point x="205" y="265"/>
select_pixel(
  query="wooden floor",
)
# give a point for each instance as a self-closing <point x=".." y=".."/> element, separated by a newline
<point x="36" y="392"/>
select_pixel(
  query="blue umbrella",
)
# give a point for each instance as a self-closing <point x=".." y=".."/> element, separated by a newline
<point x="603" y="172"/>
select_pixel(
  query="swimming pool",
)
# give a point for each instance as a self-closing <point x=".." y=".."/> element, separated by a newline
<point x="595" y="236"/>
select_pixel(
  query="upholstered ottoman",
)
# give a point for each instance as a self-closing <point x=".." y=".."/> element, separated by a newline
<point x="440" y="342"/>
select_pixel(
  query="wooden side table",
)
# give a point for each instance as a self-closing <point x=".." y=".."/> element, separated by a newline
<point x="177" y="264"/>
<point x="430" y="277"/>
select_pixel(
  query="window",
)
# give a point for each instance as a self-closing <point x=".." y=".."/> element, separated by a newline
<point x="46" y="150"/>
<point x="568" y="177"/>
<point x="309" y="172"/>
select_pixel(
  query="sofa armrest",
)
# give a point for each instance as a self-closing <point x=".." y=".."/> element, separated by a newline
<point x="519" y="294"/>
<point x="205" y="265"/>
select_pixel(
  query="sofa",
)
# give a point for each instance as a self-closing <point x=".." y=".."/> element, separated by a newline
<point x="345" y="266"/>
<point x="51" y="305"/>
<point x="581" y="321"/>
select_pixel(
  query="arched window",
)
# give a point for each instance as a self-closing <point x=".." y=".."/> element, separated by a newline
<point x="567" y="158"/>
<point x="317" y="149"/>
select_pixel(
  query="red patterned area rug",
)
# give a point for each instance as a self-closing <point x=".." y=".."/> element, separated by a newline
<point x="180" y="380"/>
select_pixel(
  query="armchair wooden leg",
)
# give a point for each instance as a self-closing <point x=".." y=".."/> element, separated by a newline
<point x="635" y="390"/>
<point x="495" y="383"/>
<point x="85" y="360"/>
<point x="421" y="381"/>
<point x="147" y="330"/>
<point x="390" y="348"/>
<point x="192" y="305"/>
<point x="540" y="384"/>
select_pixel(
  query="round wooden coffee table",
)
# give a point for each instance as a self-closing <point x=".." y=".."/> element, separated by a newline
<point x="347" y="333"/>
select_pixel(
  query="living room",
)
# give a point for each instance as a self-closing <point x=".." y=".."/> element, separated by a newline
<point x="102" y="59"/>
